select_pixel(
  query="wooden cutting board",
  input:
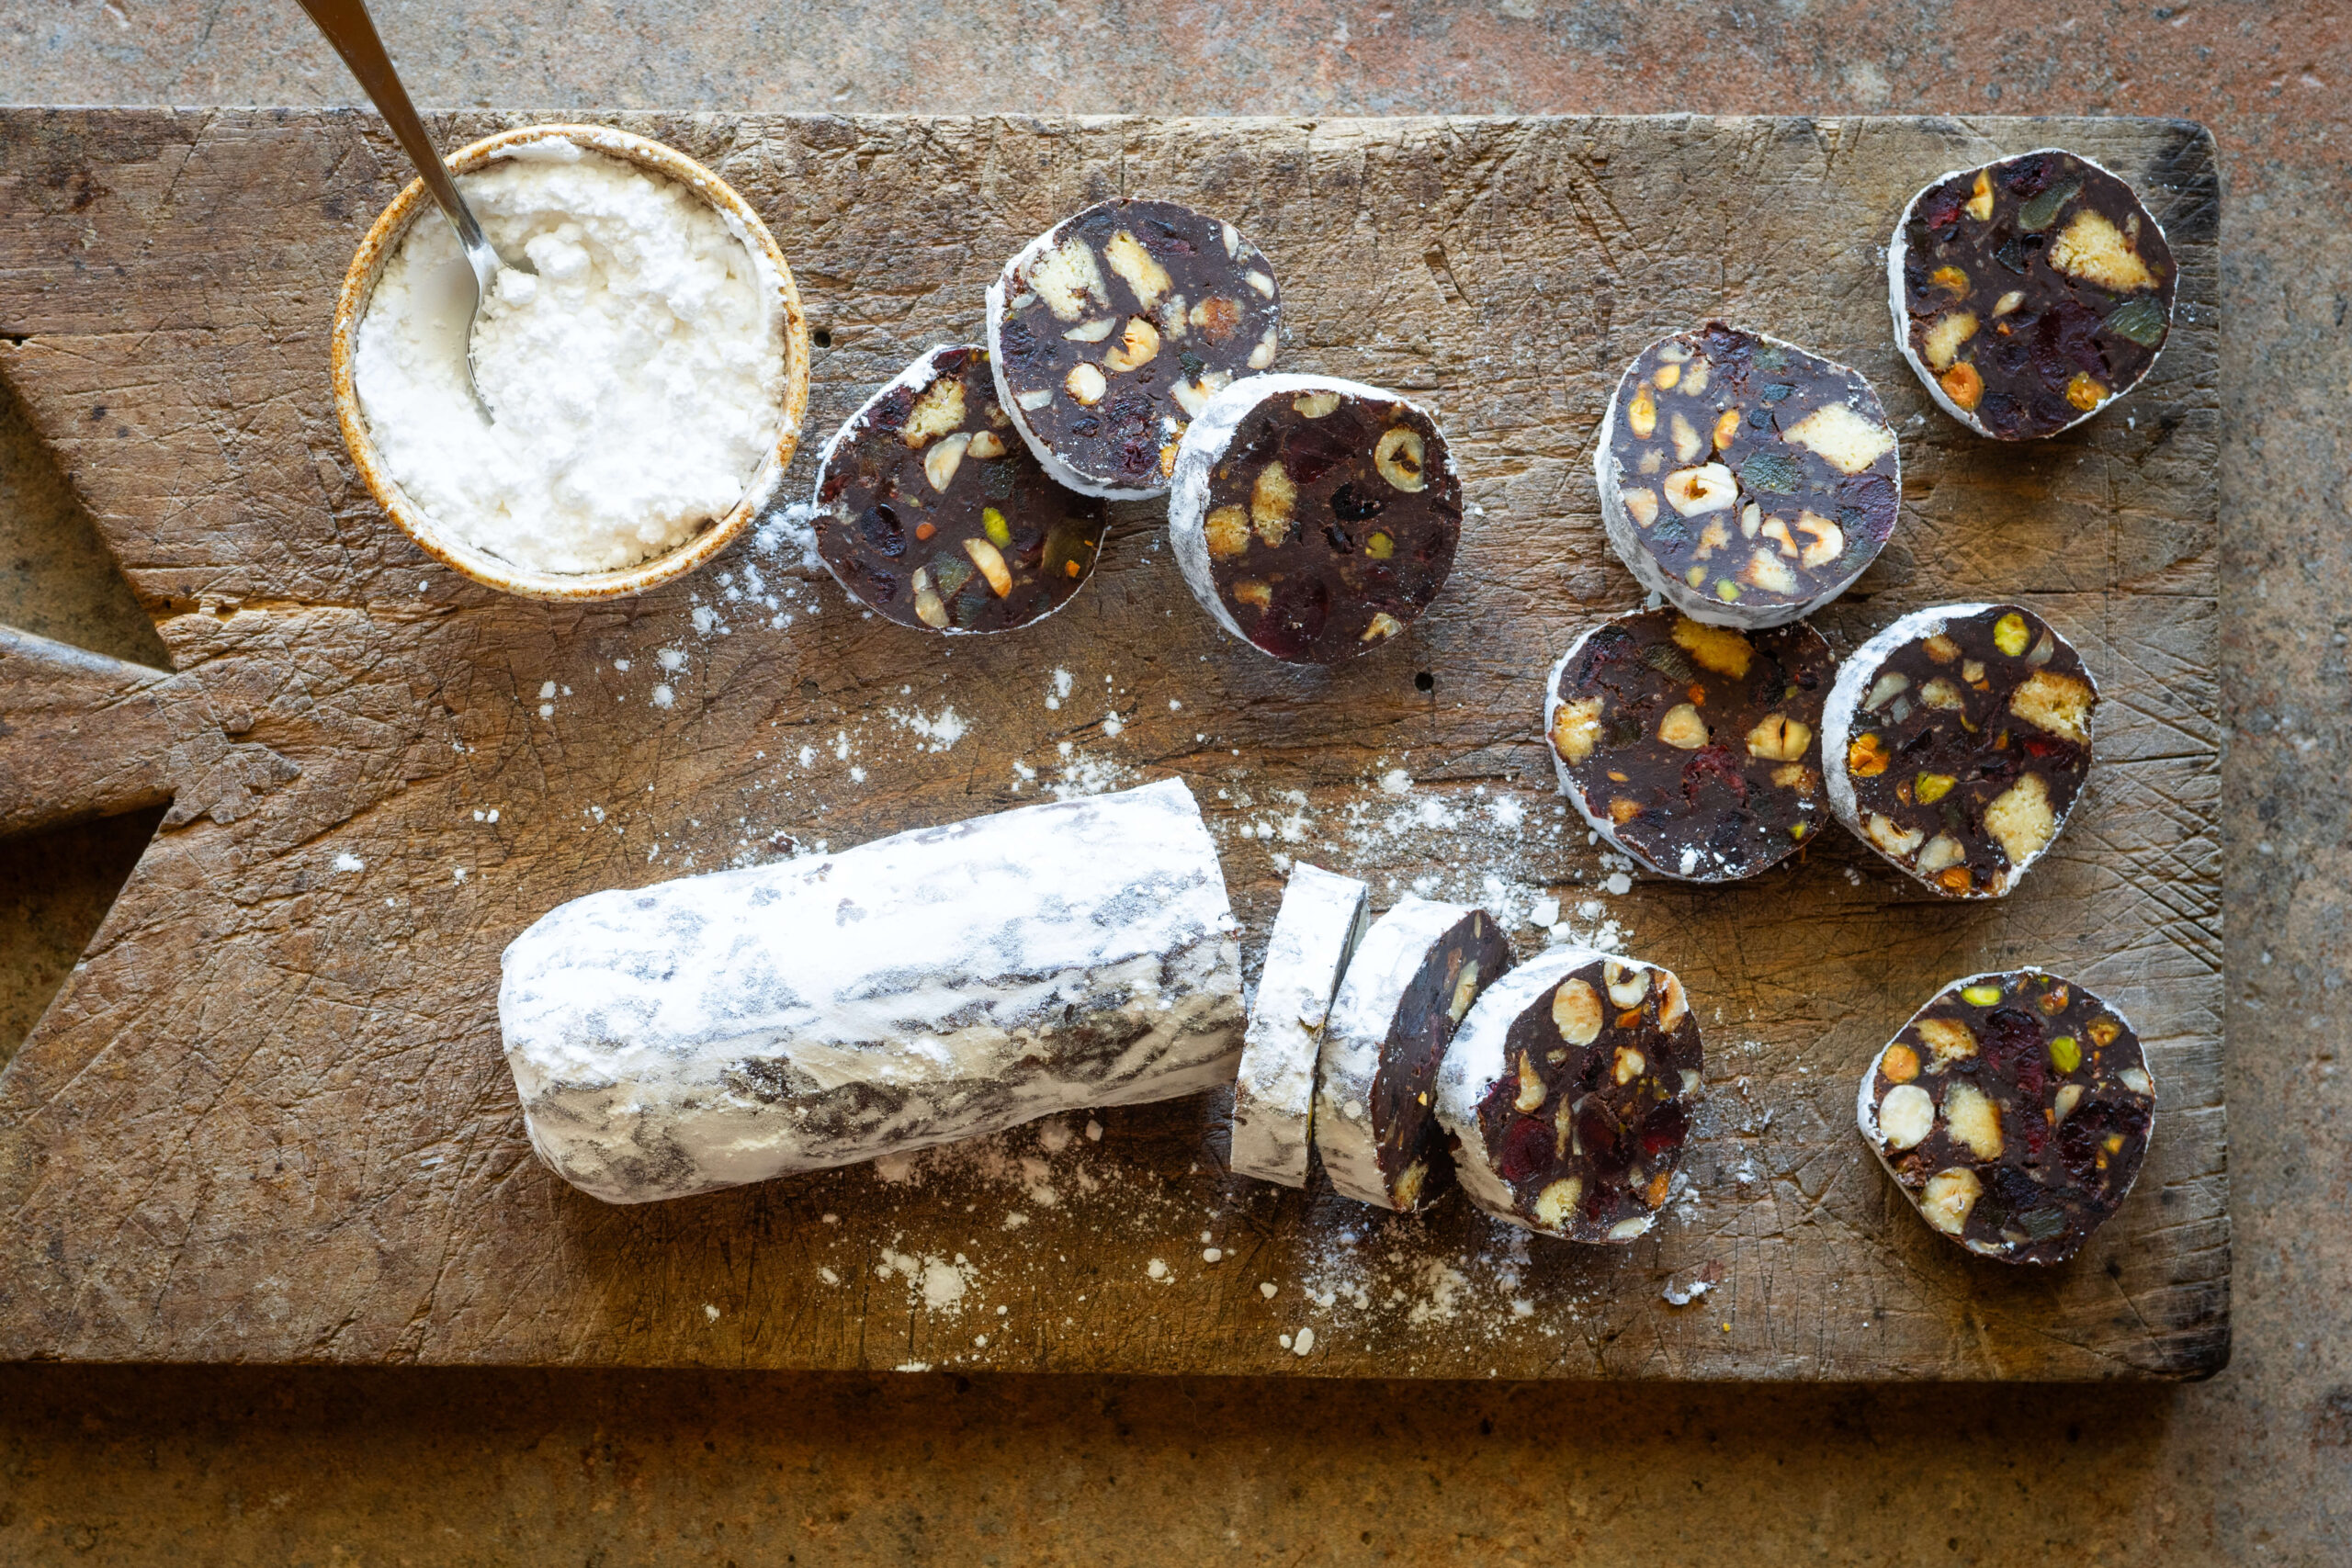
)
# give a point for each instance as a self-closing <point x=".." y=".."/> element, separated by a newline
<point x="267" y="1119"/>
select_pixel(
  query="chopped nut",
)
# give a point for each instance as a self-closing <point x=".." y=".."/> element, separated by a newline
<point x="1885" y="690"/>
<point x="1627" y="983"/>
<point x="1626" y="1230"/>
<point x="1948" y="1038"/>
<point x="937" y="412"/>
<point x="939" y="464"/>
<point x="1939" y="853"/>
<point x="2137" y="1080"/>
<point x="2054" y="1000"/>
<point x="1092" y="331"/>
<point x="1707" y="488"/>
<point x="1628" y="1067"/>
<point x="1749" y="516"/>
<point x="2059" y="703"/>
<point x="1466" y="991"/>
<point x="2010" y="634"/>
<point x="1845" y="440"/>
<point x="2093" y="248"/>
<point x="1900" y="1063"/>
<point x="1262" y="283"/>
<point x="1975" y="1120"/>
<point x="1941" y="649"/>
<point x="1718" y="649"/>
<point x="1380" y="546"/>
<point x="1253" y="592"/>
<point x="1641" y="415"/>
<point x="1694" y="377"/>
<point x="1575" y="1011"/>
<point x="1981" y="996"/>
<point x="1384" y="625"/>
<point x="1530" y="1085"/>
<point x="1712" y="537"/>
<point x="991" y="560"/>
<point x="2062" y="1104"/>
<point x="1621" y="810"/>
<point x="1268" y="346"/>
<point x="1228" y="531"/>
<point x="1727" y="429"/>
<point x="1086" y="383"/>
<point x="1941" y="342"/>
<point x="1682" y="727"/>
<point x="1894" y="840"/>
<point x="1399" y="456"/>
<point x="2065" y="1053"/>
<point x="1137" y="345"/>
<point x="1216" y="317"/>
<point x="1576" y="728"/>
<point x="1193" y="395"/>
<point x="1905" y="1116"/>
<point x="928" y="609"/>
<point x="1768" y="571"/>
<point x="1939" y="693"/>
<point x="2021" y="819"/>
<point x="1929" y="788"/>
<point x="1666" y="375"/>
<point x="1950" y="1195"/>
<point x="999" y="531"/>
<point x="1951" y="281"/>
<point x="987" y="445"/>
<point x="1829" y="540"/>
<point x="1798" y="777"/>
<point x="1138" y="266"/>
<point x="1963" y="384"/>
<point x="1036" y="399"/>
<point x="1776" y="530"/>
<point x="1558" y="1202"/>
<point x="2008" y="302"/>
<point x="1272" y="497"/>
<point x="1066" y="278"/>
<point x="2085" y="392"/>
<point x="1673" y="354"/>
<point x="1408" y="1185"/>
<point x="1672" y="1004"/>
<point x="1972" y="672"/>
<point x="1979" y="197"/>
<point x="2103" y="1031"/>
<point x="1866" y="756"/>
<point x="1643" y="504"/>
<point x="1776" y="737"/>
<point x="1314" y="405"/>
<point x="1687" y="444"/>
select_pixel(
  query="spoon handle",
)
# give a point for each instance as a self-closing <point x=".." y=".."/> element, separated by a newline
<point x="348" y="27"/>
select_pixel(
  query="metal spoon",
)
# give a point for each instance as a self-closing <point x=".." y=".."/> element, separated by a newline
<point x="348" y="27"/>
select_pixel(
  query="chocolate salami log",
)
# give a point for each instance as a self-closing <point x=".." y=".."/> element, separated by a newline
<point x="1957" y="741"/>
<point x="1746" y="480"/>
<point x="1322" y="919"/>
<point x="1315" y="518"/>
<point x="1568" y="1092"/>
<point x="2029" y="293"/>
<point x="1111" y="329"/>
<point x="927" y="986"/>
<point x="1408" y="989"/>
<point x="2013" y="1112"/>
<point x="1694" y="749"/>
<point x="931" y="513"/>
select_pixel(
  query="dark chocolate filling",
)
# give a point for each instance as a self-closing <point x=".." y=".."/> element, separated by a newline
<point x="1405" y="1128"/>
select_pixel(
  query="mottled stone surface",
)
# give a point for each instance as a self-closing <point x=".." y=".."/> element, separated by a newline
<point x="2248" y="1468"/>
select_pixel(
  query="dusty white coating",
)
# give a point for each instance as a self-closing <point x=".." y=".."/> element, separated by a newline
<point x="1478" y="1057"/>
<point x="928" y="987"/>
<point x="1363" y="1014"/>
<point x="1844" y="704"/>
<point x="1208" y="439"/>
<point x="1899" y="251"/>
<point x="637" y="380"/>
<point x="1321" y="921"/>
<point x="1625" y="537"/>
<point x="1866" y="1109"/>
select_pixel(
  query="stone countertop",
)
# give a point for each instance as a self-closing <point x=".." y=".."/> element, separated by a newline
<point x="99" y="1465"/>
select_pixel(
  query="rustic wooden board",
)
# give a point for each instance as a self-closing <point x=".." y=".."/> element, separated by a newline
<point x="267" y="1119"/>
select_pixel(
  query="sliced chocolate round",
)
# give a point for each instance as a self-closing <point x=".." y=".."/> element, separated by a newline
<point x="1694" y="749"/>
<point x="1568" y="1094"/>
<point x="931" y="512"/>
<point x="1322" y="917"/>
<point x="1114" y="327"/>
<point x="1745" y="479"/>
<point x="1956" y="742"/>
<point x="1315" y="518"/>
<point x="1412" y="981"/>
<point x="2013" y="1110"/>
<point x="2029" y="293"/>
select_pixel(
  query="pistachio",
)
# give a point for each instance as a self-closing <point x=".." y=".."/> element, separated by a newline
<point x="1929" y="788"/>
<point x="2103" y="1031"/>
<point x="1399" y="456"/>
<point x="993" y="524"/>
<point x="2065" y="1053"/>
<point x="1983" y="996"/>
<point x="1380" y="546"/>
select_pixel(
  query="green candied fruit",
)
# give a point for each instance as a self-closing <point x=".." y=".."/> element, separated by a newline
<point x="1726" y="591"/>
<point x="999" y="531"/>
<point x="2043" y="210"/>
<point x="2065" y="1053"/>
<point x="1981" y="996"/>
<point x="2142" y="320"/>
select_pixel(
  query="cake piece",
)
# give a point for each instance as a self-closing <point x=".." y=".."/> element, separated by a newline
<point x="1569" y="1091"/>
<point x="1314" y="518"/>
<point x="1956" y="742"/>
<point x="932" y="513"/>
<point x="928" y="987"/>
<point x="2013" y="1112"/>
<point x="1408" y="989"/>
<point x="1111" y="332"/>
<point x="1694" y="749"/>
<point x="2029" y="293"/>
<point x="1747" y="481"/>
<point x="1322" y="919"/>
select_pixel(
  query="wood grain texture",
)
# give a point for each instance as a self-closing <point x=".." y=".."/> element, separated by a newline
<point x="267" y="1119"/>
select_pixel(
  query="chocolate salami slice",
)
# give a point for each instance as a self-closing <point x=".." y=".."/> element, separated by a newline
<point x="1957" y="741"/>
<point x="1315" y="518"/>
<point x="1694" y="749"/>
<point x="1746" y="480"/>
<point x="1568" y="1094"/>
<point x="1111" y="329"/>
<point x="931" y="985"/>
<point x="1322" y="919"/>
<point x="1410" y="986"/>
<point x="2029" y="293"/>
<point x="931" y="512"/>
<point x="2014" y="1111"/>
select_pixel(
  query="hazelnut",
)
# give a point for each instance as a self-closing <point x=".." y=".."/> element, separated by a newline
<point x="1259" y="281"/>
<point x="1268" y="346"/>
<point x="1628" y="1065"/>
<point x="2137" y="1080"/>
<point x="928" y="609"/>
<point x="1228" y="532"/>
<point x="1091" y="331"/>
<point x="1727" y="429"/>
<point x="1682" y="728"/>
<point x="1829" y="540"/>
<point x="1779" y="738"/>
<point x="1314" y="405"/>
<point x="1666" y="377"/>
<point x="1399" y="456"/>
<point x="1687" y="443"/>
<point x="1466" y="991"/>
<point x="1896" y="841"/>
<point x="1776" y="530"/>
<point x="2008" y="302"/>
<point x="1939" y="853"/>
<point x="939" y="464"/>
<point x="1950" y="1039"/>
<point x="1905" y="1116"/>
<point x="1641" y="415"/>
<point x="1575" y="1011"/>
<point x="1673" y="1006"/>
<point x="1950" y="1195"/>
<point x="1530" y="1085"/>
<point x="1768" y="572"/>
<point x="1576" y="728"/>
<point x="1137" y="345"/>
<point x="1035" y="400"/>
<point x="991" y="560"/>
<point x="1627" y="983"/>
<point x="988" y="445"/>
<point x="1086" y="383"/>
<point x="1975" y="1120"/>
<point x="1138" y="266"/>
<point x="1707" y="488"/>
<point x="1643" y="504"/>
<point x="1558" y="1202"/>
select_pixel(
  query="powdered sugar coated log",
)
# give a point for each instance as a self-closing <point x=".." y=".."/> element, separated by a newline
<point x="1322" y="919"/>
<point x="1412" y="980"/>
<point x="928" y="987"/>
<point x="1567" y="1092"/>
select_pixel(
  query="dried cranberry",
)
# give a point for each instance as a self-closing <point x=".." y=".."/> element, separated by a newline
<point x="1527" y="1147"/>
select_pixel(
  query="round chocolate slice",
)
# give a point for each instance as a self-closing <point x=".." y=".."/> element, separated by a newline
<point x="1315" y="518"/>
<point x="1956" y="742"/>
<point x="2013" y="1110"/>
<point x="932" y="513"/>
<point x="1746" y="480"/>
<point x="1412" y="981"/>
<point x="1114" y="327"/>
<point x="2029" y="293"/>
<point x="1694" y="749"/>
<point x="1568" y="1094"/>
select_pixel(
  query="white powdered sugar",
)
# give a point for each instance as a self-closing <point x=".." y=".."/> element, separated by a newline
<point x="1322" y="919"/>
<point x="929" y="987"/>
<point x="637" y="381"/>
